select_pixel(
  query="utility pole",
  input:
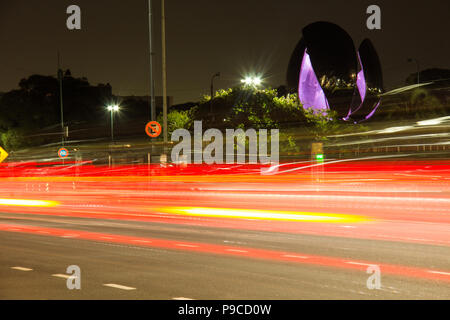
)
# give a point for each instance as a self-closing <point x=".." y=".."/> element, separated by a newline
<point x="418" y="68"/>
<point x="212" y="91"/>
<point x="60" y="78"/>
<point x="152" y="87"/>
<point x="164" y="73"/>
<point x="112" y="126"/>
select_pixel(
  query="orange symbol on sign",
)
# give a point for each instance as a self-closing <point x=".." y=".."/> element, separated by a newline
<point x="153" y="129"/>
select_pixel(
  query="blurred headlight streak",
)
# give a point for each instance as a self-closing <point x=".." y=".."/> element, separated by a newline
<point x="266" y="215"/>
<point x="28" y="203"/>
<point x="395" y="129"/>
<point x="433" y="122"/>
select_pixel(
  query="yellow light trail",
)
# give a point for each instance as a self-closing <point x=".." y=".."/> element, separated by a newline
<point x="266" y="215"/>
<point x="28" y="203"/>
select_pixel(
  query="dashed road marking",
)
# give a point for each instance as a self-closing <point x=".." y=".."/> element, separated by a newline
<point x="67" y="236"/>
<point x="235" y="250"/>
<point x="186" y="245"/>
<point x="22" y="269"/>
<point x="118" y="286"/>
<point x="360" y="263"/>
<point x="292" y="256"/>
<point x="142" y="241"/>
<point x="64" y="276"/>
<point x="182" y="298"/>
<point x="439" y="272"/>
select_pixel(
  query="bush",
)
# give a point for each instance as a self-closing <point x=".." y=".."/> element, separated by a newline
<point x="13" y="139"/>
<point x="177" y="120"/>
<point x="247" y="107"/>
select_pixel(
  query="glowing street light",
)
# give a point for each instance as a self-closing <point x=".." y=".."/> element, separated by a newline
<point x="252" y="81"/>
<point x="112" y="109"/>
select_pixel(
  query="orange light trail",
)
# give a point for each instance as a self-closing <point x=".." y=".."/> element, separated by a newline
<point x="28" y="203"/>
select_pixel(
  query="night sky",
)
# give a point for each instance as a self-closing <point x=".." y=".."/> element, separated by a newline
<point x="235" y="37"/>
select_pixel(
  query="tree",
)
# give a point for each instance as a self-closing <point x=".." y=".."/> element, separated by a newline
<point x="248" y="107"/>
<point x="35" y="105"/>
<point x="177" y="120"/>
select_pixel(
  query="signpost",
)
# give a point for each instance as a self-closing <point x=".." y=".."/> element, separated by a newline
<point x="63" y="153"/>
<point x="317" y="159"/>
<point x="3" y="154"/>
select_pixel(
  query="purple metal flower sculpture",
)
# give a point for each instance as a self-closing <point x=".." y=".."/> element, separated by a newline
<point x="329" y="73"/>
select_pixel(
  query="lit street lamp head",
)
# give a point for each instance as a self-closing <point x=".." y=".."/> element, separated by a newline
<point x="113" y="108"/>
<point x="252" y="81"/>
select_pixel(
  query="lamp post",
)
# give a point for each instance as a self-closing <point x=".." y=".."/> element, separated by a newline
<point x="152" y="86"/>
<point x="418" y="68"/>
<point x="212" y="89"/>
<point x="60" y="82"/>
<point x="112" y="109"/>
<point x="164" y="72"/>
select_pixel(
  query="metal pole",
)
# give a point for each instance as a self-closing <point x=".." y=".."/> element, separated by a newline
<point x="418" y="68"/>
<point x="212" y="93"/>
<point x="212" y="90"/>
<point x="60" y="76"/>
<point x="112" y="126"/>
<point x="152" y="87"/>
<point x="418" y="72"/>
<point x="164" y="73"/>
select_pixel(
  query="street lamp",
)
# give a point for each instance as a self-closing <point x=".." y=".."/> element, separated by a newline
<point x="418" y="68"/>
<point x="212" y="89"/>
<point x="112" y="109"/>
<point x="252" y="81"/>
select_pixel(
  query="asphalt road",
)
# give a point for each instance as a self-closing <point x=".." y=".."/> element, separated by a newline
<point x="227" y="237"/>
<point x="157" y="273"/>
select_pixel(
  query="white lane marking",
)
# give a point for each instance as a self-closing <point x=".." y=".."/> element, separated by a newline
<point x="118" y="286"/>
<point x="142" y="241"/>
<point x="44" y="232"/>
<point x="107" y="238"/>
<point x="349" y="227"/>
<point x="439" y="272"/>
<point x="292" y="256"/>
<point x="182" y="298"/>
<point x="13" y="229"/>
<point x="22" y="269"/>
<point x="64" y="276"/>
<point x="360" y="264"/>
<point x="235" y="250"/>
<point x="70" y="236"/>
<point x="186" y="245"/>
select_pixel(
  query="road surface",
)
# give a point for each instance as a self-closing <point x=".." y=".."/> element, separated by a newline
<point x="298" y="235"/>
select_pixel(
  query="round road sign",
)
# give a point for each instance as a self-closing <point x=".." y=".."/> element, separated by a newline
<point x="153" y="129"/>
<point x="63" y="153"/>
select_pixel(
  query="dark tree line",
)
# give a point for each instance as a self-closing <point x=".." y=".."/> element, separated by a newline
<point x="35" y="105"/>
